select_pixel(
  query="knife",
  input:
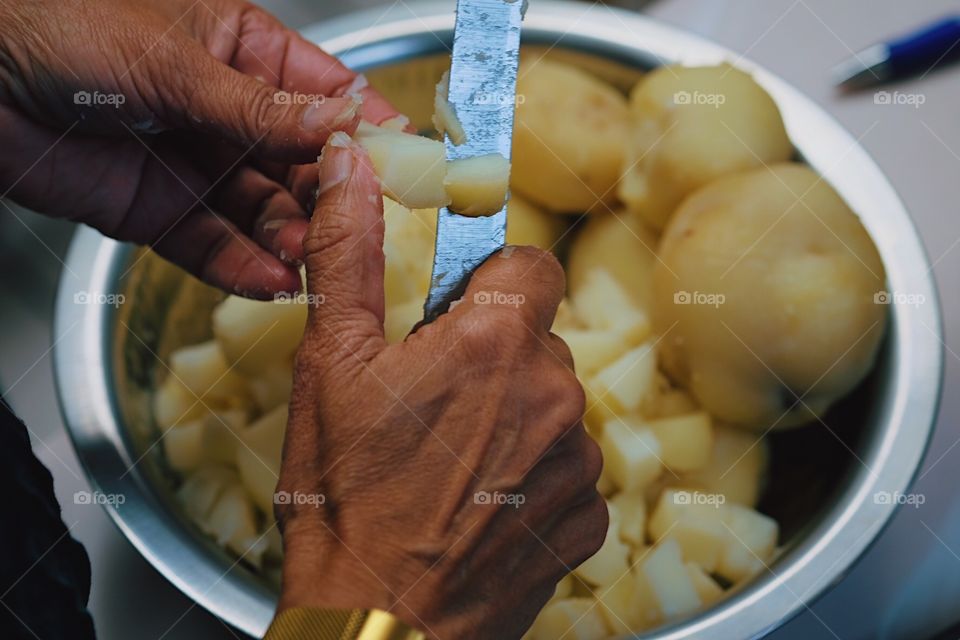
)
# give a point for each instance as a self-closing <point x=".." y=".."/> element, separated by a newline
<point x="482" y="91"/>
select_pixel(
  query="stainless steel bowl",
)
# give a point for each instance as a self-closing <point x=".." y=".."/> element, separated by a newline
<point x="826" y="481"/>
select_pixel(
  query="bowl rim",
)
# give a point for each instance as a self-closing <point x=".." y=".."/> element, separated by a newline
<point x="82" y="365"/>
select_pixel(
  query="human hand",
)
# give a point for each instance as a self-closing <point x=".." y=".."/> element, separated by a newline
<point x="458" y="480"/>
<point x="163" y="122"/>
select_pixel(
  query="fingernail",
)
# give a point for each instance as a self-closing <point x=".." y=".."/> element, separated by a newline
<point x="331" y="114"/>
<point x="336" y="163"/>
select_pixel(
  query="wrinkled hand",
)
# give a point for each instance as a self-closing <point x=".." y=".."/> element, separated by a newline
<point x="457" y="476"/>
<point x="163" y="122"/>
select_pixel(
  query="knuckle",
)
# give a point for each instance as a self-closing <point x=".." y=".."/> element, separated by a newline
<point x="569" y="397"/>
<point x="592" y="461"/>
<point x="262" y="112"/>
<point x="493" y="331"/>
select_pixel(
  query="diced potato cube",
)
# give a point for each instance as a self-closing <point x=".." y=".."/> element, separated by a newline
<point x="686" y="441"/>
<point x="609" y="563"/>
<point x="735" y="468"/>
<point x="254" y="334"/>
<point x="627" y="383"/>
<point x="632" y="517"/>
<point x="569" y="619"/>
<point x="696" y="526"/>
<point x="605" y="305"/>
<point x="258" y="457"/>
<point x="593" y="349"/>
<point x="707" y="588"/>
<point x="174" y="404"/>
<point x="671" y="585"/>
<point x="273" y="387"/>
<point x="478" y="186"/>
<point x="529" y="225"/>
<point x="201" y="489"/>
<point x="232" y="523"/>
<point x="673" y="402"/>
<point x="204" y="370"/>
<point x="633" y="457"/>
<point x="620" y="605"/>
<point x="752" y="540"/>
<point x="209" y="439"/>
<point x="411" y="168"/>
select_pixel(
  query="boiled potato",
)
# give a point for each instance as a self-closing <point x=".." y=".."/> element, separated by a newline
<point x="685" y="441"/>
<point x="692" y="125"/>
<point x="400" y="319"/>
<point x="632" y="456"/>
<point x="768" y="281"/>
<point x="273" y="387"/>
<point x="627" y="383"/>
<point x="477" y="186"/>
<point x="753" y="539"/>
<point x="411" y="168"/>
<point x="735" y="468"/>
<point x="210" y="439"/>
<point x="254" y="334"/>
<point x="232" y="523"/>
<point x="258" y="456"/>
<point x="696" y="527"/>
<point x="705" y="586"/>
<point x="174" y="404"/>
<point x="632" y="518"/>
<point x="568" y="138"/>
<point x="527" y="224"/>
<point x="619" y="244"/>
<point x="605" y="305"/>
<point x="672" y="587"/>
<point x="622" y="605"/>
<point x="201" y="489"/>
<point x="204" y="370"/>
<point x="408" y="242"/>
<point x="570" y="619"/>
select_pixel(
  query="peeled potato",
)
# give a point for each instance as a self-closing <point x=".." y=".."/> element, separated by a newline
<point x="411" y="168"/>
<point x="692" y="125"/>
<point x="527" y="224"/>
<point x="768" y="282"/>
<point x="672" y="587"/>
<point x="619" y="244"/>
<point x="632" y="456"/>
<point x="204" y="370"/>
<point x="408" y="243"/>
<point x="571" y="619"/>
<point x="568" y="137"/>
<point x="477" y="186"/>
<point x="254" y="334"/>
<point x="258" y="456"/>
<point x="735" y="468"/>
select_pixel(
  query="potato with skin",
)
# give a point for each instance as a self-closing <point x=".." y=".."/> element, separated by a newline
<point x="568" y="137"/>
<point x="768" y="280"/>
<point x="690" y="126"/>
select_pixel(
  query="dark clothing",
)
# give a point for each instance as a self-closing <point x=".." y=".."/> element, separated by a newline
<point x="44" y="572"/>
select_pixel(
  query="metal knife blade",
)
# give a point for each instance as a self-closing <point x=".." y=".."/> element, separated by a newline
<point x="482" y="90"/>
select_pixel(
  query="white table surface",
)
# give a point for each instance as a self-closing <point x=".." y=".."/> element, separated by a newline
<point x="918" y="148"/>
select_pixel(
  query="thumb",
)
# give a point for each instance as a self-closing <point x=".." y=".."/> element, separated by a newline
<point x="344" y="256"/>
<point x="280" y="126"/>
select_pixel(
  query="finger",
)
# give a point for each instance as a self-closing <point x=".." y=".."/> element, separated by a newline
<point x="344" y="255"/>
<point x="266" y="211"/>
<point x="578" y="532"/>
<point x="524" y="279"/>
<point x="216" y="99"/>
<point x="213" y="249"/>
<point x="264" y="48"/>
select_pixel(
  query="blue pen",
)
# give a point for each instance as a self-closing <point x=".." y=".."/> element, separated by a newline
<point x="915" y="53"/>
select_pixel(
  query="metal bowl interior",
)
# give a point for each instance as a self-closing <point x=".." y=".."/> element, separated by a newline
<point x="825" y="478"/>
